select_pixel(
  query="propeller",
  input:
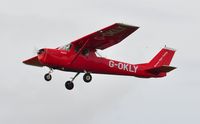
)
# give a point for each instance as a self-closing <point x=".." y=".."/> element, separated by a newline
<point x="40" y="51"/>
<point x="37" y="51"/>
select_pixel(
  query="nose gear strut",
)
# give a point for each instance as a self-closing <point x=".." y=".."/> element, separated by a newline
<point x="48" y="76"/>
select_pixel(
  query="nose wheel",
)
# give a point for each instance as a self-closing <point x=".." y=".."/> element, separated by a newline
<point x="48" y="76"/>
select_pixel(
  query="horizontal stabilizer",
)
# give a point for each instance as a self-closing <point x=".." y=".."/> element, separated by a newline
<point x="160" y="69"/>
<point x="33" y="61"/>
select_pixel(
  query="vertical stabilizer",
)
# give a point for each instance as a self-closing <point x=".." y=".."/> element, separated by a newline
<point x="160" y="64"/>
<point x="164" y="57"/>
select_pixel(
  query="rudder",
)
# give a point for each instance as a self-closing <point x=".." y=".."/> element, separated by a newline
<point x="164" y="57"/>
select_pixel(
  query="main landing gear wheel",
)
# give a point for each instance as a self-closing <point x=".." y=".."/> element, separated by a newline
<point x="69" y="85"/>
<point x="87" y="77"/>
<point x="47" y="77"/>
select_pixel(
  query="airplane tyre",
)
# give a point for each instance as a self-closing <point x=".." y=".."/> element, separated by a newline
<point x="47" y="77"/>
<point x="87" y="77"/>
<point x="69" y="85"/>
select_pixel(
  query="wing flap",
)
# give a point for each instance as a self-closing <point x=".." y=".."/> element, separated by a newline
<point x="33" y="61"/>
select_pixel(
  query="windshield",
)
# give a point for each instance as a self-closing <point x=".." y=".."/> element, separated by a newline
<point x="65" y="47"/>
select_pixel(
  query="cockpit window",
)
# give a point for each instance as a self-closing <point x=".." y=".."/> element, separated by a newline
<point x="85" y="52"/>
<point x="65" y="47"/>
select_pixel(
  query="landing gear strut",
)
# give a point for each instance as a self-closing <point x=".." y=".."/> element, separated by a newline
<point x="69" y="84"/>
<point x="48" y="76"/>
<point x="86" y="77"/>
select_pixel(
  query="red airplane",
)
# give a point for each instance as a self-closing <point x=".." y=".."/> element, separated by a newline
<point x="80" y="56"/>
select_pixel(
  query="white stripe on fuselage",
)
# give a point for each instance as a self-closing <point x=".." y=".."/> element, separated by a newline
<point x="123" y="66"/>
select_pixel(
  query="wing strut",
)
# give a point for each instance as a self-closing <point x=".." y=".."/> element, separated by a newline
<point x="78" y="53"/>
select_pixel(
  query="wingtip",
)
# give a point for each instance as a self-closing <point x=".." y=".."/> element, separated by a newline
<point x="25" y="61"/>
<point x="123" y="24"/>
<point x="32" y="61"/>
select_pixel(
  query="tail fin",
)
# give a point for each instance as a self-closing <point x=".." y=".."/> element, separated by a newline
<point x="164" y="57"/>
<point x="160" y="63"/>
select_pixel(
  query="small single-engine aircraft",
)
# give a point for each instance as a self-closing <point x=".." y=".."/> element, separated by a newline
<point x="80" y="56"/>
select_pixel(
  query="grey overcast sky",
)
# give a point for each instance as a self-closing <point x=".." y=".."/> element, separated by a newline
<point x="25" y="98"/>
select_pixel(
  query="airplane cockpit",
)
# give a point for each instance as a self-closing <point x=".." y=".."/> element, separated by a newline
<point x="68" y="47"/>
<point x="65" y="47"/>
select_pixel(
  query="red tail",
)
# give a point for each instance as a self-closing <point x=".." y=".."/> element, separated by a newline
<point x="160" y="63"/>
<point x="164" y="57"/>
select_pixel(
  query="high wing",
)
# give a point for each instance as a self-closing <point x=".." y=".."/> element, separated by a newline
<point x="100" y="39"/>
<point x="106" y="37"/>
